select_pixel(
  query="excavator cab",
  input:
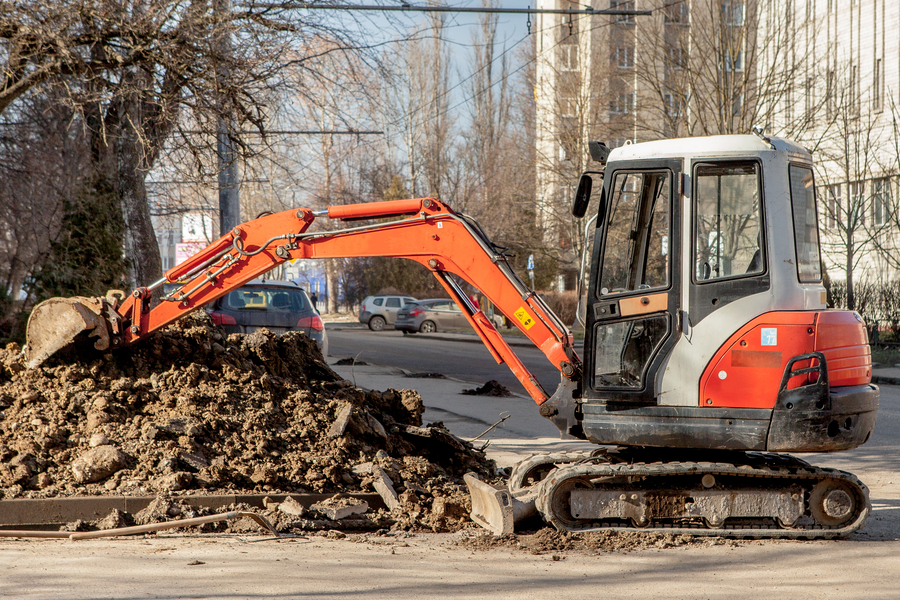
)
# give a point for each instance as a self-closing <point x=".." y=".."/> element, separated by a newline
<point x="705" y="305"/>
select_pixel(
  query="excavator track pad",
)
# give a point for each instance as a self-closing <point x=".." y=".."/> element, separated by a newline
<point x="752" y="495"/>
<point x="59" y="322"/>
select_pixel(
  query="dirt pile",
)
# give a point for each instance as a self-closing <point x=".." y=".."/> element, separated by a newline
<point x="191" y="409"/>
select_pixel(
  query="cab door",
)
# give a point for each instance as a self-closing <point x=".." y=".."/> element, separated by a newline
<point x="633" y="295"/>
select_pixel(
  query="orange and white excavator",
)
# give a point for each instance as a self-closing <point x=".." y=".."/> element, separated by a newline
<point x="709" y="350"/>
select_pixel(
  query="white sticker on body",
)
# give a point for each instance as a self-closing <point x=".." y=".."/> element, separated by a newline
<point x="768" y="336"/>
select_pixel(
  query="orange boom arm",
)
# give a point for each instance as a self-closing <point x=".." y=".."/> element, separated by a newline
<point x="431" y="234"/>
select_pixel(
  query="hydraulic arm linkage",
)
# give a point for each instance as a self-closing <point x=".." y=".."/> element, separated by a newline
<point x="428" y="232"/>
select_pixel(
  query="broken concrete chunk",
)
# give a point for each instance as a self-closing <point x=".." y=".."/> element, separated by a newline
<point x="385" y="488"/>
<point x="98" y="463"/>
<point x="292" y="507"/>
<point x="375" y="425"/>
<point x="362" y="468"/>
<point x="339" y="426"/>
<point x="336" y="513"/>
<point x="195" y="460"/>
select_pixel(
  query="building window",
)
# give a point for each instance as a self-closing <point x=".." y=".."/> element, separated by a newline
<point x="733" y="12"/>
<point x="624" y="57"/>
<point x="810" y="99"/>
<point x="737" y="105"/>
<point x="569" y="57"/>
<point x="622" y="104"/>
<point x="676" y="57"/>
<point x="881" y="195"/>
<point x="677" y="12"/>
<point x="854" y="90"/>
<point x="877" y="99"/>
<point x="834" y="206"/>
<point x="734" y="61"/>
<point x="673" y="105"/>
<point x="623" y="5"/>
<point x="567" y="107"/>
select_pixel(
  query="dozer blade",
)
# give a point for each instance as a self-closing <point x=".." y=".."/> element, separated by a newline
<point x="495" y="508"/>
<point x="57" y="322"/>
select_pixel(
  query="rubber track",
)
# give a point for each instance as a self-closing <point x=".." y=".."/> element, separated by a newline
<point x="789" y="469"/>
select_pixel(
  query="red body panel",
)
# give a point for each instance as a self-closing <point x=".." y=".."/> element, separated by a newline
<point x="746" y="372"/>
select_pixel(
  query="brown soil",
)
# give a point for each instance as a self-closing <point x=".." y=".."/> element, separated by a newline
<point x="491" y="388"/>
<point x="550" y="541"/>
<point x="191" y="409"/>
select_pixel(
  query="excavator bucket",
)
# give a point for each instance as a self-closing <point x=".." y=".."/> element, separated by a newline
<point x="57" y="322"/>
<point x="495" y="508"/>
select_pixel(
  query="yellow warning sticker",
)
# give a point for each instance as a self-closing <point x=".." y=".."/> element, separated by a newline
<point x="523" y="317"/>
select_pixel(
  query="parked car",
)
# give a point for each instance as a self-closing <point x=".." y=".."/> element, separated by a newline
<point x="379" y="311"/>
<point x="279" y="306"/>
<point x="429" y="316"/>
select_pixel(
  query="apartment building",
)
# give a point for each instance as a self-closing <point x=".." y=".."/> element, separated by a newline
<point x="844" y="104"/>
<point x="681" y="70"/>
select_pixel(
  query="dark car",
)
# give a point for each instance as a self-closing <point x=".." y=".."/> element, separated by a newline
<point x="429" y="316"/>
<point x="279" y="306"/>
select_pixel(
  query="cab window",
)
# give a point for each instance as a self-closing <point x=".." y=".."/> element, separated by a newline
<point x="806" y="230"/>
<point x="727" y="221"/>
<point x="636" y="250"/>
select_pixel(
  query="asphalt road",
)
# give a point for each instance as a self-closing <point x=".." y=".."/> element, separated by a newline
<point x="469" y="361"/>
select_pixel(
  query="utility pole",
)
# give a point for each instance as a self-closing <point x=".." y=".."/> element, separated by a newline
<point x="229" y="192"/>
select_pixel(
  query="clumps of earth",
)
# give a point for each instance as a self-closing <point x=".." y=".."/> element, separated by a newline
<point x="556" y="543"/>
<point x="191" y="410"/>
<point x="491" y="388"/>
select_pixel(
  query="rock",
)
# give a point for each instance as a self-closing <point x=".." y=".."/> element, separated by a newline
<point x="98" y="439"/>
<point x="98" y="463"/>
<point x="263" y="475"/>
<point x="292" y="507"/>
<point x="385" y="488"/>
<point x="172" y="482"/>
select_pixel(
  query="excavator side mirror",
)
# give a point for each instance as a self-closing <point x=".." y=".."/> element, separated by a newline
<point x="582" y="196"/>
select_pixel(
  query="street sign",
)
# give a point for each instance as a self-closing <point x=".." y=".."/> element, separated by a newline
<point x="530" y="266"/>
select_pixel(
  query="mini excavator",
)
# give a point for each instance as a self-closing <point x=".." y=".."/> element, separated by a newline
<point x="709" y="352"/>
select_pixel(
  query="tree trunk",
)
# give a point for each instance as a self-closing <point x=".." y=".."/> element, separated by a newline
<point x="851" y="297"/>
<point x="141" y="247"/>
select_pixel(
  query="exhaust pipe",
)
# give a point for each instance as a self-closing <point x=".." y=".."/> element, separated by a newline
<point x="496" y="508"/>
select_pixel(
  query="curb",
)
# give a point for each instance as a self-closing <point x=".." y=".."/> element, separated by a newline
<point x="47" y="512"/>
<point x="885" y="380"/>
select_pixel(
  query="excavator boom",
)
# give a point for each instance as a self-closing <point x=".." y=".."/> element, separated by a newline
<point x="428" y="232"/>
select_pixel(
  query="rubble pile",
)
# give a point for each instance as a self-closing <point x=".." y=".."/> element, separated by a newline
<point x="191" y="409"/>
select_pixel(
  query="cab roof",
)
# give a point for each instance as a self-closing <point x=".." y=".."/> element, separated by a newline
<point x="715" y="145"/>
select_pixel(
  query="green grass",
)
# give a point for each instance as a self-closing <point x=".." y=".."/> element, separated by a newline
<point x="886" y="357"/>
